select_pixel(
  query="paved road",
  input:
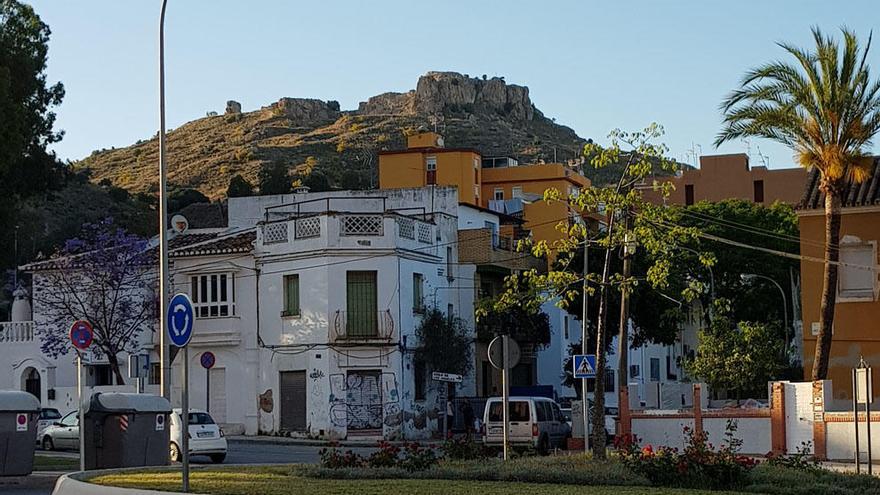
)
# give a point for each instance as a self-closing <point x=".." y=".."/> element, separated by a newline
<point x="239" y="453"/>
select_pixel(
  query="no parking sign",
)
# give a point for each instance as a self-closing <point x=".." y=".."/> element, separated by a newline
<point x="160" y="422"/>
<point x="21" y="422"/>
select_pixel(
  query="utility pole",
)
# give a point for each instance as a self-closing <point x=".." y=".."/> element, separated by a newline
<point x="623" y="332"/>
<point x="164" y="351"/>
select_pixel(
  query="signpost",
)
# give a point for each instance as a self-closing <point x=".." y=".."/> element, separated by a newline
<point x="446" y="378"/>
<point x="180" y="321"/>
<point x="584" y="367"/>
<point x="504" y="353"/>
<point x="81" y="336"/>
<point x="208" y="360"/>
<point x="139" y="368"/>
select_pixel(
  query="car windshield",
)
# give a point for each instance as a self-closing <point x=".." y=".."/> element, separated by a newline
<point x="200" y="418"/>
<point x="70" y="419"/>
<point x="50" y="414"/>
<point x="519" y="411"/>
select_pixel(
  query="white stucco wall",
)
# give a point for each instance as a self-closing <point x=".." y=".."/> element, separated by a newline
<point x="754" y="433"/>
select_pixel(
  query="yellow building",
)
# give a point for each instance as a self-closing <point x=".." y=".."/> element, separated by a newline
<point x="857" y="311"/>
<point x="498" y="183"/>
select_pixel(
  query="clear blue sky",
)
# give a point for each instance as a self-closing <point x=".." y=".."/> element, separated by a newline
<point x="591" y="65"/>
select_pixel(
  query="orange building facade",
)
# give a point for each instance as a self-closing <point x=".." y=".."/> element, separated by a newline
<point x="497" y="183"/>
<point x="855" y="332"/>
<point x="723" y="177"/>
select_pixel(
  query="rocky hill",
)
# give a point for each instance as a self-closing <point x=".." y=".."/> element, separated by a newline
<point x="311" y="135"/>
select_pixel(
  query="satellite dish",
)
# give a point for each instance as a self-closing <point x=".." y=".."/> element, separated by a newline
<point x="179" y="224"/>
<point x="439" y="141"/>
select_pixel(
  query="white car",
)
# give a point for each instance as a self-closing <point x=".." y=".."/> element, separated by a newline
<point x="536" y="422"/>
<point x="205" y="436"/>
<point x="48" y="417"/>
<point x="62" y="434"/>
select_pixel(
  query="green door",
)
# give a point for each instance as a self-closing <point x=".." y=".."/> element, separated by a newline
<point x="361" y="304"/>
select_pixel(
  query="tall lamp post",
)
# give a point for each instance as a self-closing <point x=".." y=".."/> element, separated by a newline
<point x="164" y="351"/>
<point x="748" y="277"/>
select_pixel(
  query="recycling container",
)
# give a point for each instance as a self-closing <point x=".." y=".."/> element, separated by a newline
<point x="126" y="430"/>
<point x="19" y="413"/>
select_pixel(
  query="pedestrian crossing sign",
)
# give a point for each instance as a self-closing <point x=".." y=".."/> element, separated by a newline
<point x="584" y="366"/>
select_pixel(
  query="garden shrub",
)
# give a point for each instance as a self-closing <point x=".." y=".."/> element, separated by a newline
<point x="699" y="465"/>
<point x="412" y="457"/>
<point x="465" y="449"/>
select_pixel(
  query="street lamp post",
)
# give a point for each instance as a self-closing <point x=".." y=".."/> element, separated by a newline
<point x="164" y="351"/>
<point x="747" y="277"/>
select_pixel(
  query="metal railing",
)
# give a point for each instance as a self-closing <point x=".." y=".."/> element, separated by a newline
<point x="16" y="331"/>
<point x="369" y="325"/>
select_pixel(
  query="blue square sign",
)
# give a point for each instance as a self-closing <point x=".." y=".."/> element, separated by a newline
<point x="584" y="365"/>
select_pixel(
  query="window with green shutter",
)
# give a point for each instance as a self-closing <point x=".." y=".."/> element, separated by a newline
<point x="291" y="295"/>
<point x="418" y="293"/>
<point x="361" y="304"/>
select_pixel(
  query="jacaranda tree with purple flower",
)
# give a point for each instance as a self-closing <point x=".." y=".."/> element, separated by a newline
<point x="105" y="276"/>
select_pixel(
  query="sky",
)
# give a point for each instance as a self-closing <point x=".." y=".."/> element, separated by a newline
<point x="593" y="66"/>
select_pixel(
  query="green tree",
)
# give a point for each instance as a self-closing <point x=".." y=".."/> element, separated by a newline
<point x="183" y="197"/>
<point x="739" y="358"/>
<point x="444" y="343"/>
<point x="239" y="187"/>
<point x="626" y="217"/>
<point x="825" y="106"/>
<point x="316" y="181"/>
<point x="274" y="178"/>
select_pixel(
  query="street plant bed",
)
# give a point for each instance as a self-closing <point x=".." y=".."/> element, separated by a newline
<point x="55" y="463"/>
<point x="292" y="480"/>
<point x="549" y="475"/>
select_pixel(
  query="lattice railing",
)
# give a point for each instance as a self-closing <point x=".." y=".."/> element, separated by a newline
<point x="274" y="233"/>
<point x="361" y="225"/>
<point x="406" y="227"/>
<point x="308" y="227"/>
<point x="425" y="233"/>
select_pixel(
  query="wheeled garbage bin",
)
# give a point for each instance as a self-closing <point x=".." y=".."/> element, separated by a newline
<point x="19" y="413"/>
<point x="126" y="430"/>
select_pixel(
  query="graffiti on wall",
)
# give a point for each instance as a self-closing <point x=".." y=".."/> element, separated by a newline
<point x="364" y="400"/>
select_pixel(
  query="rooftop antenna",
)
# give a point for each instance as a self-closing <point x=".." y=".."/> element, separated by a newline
<point x="765" y="160"/>
<point x="748" y="144"/>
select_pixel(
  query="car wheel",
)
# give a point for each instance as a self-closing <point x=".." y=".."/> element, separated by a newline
<point x="175" y="453"/>
<point x="544" y="445"/>
<point x="218" y="458"/>
<point x="48" y="444"/>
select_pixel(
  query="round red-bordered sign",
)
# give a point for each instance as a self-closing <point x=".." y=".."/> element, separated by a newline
<point x="208" y="360"/>
<point x="81" y="334"/>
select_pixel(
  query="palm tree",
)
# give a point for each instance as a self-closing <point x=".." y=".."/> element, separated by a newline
<point x="825" y="107"/>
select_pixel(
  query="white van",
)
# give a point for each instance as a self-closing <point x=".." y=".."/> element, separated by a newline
<point x="535" y="422"/>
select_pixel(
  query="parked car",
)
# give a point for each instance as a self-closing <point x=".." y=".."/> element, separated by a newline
<point x="205" y="436"/>
<point x="62" y="434"/>
<point x="48" y="416"/>
<point x="535" y="422"/>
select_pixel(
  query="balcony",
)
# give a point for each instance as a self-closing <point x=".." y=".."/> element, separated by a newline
<point x="362" y="327"/>
<point x="17" y="331"/>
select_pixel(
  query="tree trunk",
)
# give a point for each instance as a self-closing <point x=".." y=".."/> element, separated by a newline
<point x="623" y="333"/>
<point x="114" y="367"/>
<point x="829" y="283"/>
<point x="598" y="417"/>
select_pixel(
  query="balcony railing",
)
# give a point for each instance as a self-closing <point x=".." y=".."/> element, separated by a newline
<point x="362" y="326"/>
<point x="16" y="331"/>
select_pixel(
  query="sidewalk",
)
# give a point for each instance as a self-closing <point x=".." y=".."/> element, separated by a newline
<point x="850" y="467"/>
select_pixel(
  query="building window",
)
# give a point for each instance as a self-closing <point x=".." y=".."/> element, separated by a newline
<point x="361" y="304"/>
<point x="431" y="168"/>
<point x="655" y="369"/>
<point x="418" y="292"/>
<point x="155" y="371"/>
<point x="449" y="274"/>
<point x="213" y="295"/>
<point x="420" y="375"/>
<point x="450" y="313"/>
<point x="100" y="374"/>
<point x="565" y="326"/>
<point x="689" y="194"/>
<point x="291" y="296"/>
<point x="759" y="191"/>
<point x="609" y="380"/>
<point x="670" y="370"/>
<point x="855" y="281"/>
<point x="499" y="194"/>
<point x="516" y="192"/>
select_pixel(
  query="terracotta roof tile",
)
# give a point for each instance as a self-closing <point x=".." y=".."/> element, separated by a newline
<point x="866" y="193"/>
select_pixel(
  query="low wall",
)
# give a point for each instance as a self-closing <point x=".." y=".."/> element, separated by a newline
<point x="752" y="429"/>
<point x="661" y="429"/>
<point x="840" y="442"/>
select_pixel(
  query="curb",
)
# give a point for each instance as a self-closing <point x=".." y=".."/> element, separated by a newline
<point x="77" y="483"/>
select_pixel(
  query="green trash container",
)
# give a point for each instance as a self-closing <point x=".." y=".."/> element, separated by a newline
<point x="19" y="413"/>
<point x="126" y="430"/>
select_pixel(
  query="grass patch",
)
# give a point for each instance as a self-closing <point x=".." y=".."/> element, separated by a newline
<point x="55" y="463"/>
<point x="288" y="481"/>
<point x="775" y="480"/>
